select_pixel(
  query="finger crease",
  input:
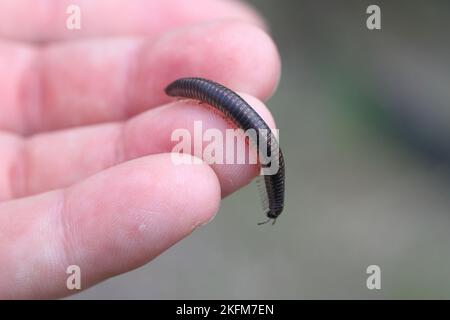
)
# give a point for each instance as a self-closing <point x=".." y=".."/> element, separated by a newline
<point x="19" y="171"/>
<point x="120" y="148"/>
<point x="68" y="238"/>
<point x="31" y="94"/>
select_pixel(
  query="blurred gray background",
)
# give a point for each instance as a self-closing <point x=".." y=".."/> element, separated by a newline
<point x="364" y="120"/>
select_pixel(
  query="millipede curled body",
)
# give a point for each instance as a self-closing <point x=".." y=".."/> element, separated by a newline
<point x="245" y="117"/>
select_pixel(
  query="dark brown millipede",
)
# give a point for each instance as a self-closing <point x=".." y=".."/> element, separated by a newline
<point x="245" y="117"/>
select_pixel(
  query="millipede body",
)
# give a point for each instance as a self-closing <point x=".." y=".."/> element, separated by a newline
<point x="245" y="117"/>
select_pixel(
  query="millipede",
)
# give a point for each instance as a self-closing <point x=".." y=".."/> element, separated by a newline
<point x="235" y="108"/>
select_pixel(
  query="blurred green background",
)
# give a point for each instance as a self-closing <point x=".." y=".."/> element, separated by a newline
<point x="364" y="122"/>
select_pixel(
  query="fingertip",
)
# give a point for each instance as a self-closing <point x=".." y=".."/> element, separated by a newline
<point x="254" y="52"/>
<point x="237" y="54"/>
<point x="175" y="195"/>
<point x="198" y="194"/>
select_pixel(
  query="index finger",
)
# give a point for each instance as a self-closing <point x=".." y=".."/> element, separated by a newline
<point x="46" y="20"/>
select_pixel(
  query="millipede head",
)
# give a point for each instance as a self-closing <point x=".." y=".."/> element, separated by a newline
<point x="273" y="213"/>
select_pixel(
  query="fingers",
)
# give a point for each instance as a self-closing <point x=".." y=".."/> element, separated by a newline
<point x="111" y="223"/>
<point x="45" y="20"/>
<point x="90" y="82"/>
<point x="54" y="160"/>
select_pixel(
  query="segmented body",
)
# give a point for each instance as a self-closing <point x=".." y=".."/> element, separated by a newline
<point x="245" y="117"/>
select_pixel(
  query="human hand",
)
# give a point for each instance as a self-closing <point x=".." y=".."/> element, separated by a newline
<point x="86" y="176"/>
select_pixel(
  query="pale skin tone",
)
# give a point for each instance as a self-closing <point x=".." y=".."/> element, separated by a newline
<point x="86" y="176"/>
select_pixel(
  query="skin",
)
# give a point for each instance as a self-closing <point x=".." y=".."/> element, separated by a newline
<point x="86" y="175"/>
